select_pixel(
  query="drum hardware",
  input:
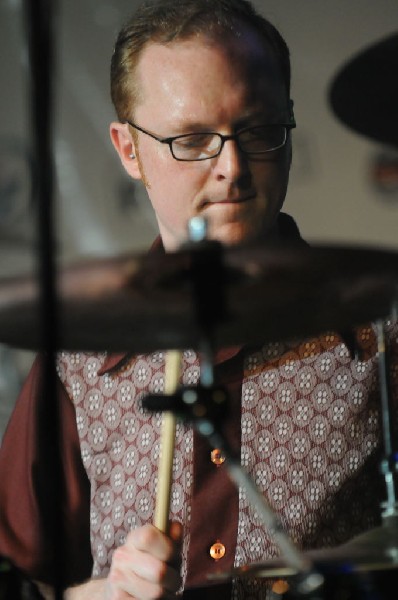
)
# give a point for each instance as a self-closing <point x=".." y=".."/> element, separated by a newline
<point x="204" y="406"/>
<point x="389" y="462"/>
<point x="372" y="551"/>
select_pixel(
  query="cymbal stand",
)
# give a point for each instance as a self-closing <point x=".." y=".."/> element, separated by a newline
<point x="389" y="461"/>
<point x="203" y="406"/>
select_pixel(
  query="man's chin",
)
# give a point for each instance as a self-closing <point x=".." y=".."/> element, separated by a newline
<point x="233" y="234"/>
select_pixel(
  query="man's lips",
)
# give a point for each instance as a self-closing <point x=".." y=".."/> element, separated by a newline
<point x="237" y="200"/>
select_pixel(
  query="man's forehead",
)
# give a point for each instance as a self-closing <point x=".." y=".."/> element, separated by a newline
<point x="248" y="54"/>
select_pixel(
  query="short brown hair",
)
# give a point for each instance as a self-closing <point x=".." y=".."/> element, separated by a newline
<point x="164" y="21"/>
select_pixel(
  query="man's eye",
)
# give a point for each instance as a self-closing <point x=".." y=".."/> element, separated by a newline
<point x="193" y="141"/>
<point x="258" y="133"/>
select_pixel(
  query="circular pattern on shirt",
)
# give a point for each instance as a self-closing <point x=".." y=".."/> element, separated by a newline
<point x="319" y="429"/>
<point x="250" y="394"/>
<point x="282" y="428"/>
<point x="289" y="364"/>
<point x="354" y="430"/>
<point x="246" y="457"/>
<point x="101" y="467"/>
<point x="285" y="396"/>
<point x="93" y="403"/>
<point x="262" y="475"/>
<point x="117" y="479"/>
<point x="280" y="461"/>
<point x="191" y="375"/>
<point x="317" y="461"/>
<point x="314" y="493"/>
<point x="107" y="385"/>
<point x="97" y="436"/>
<point x="142" y="373"/>
<point x="145" y="438"/>
<point x="269" y="380"/>
<point x="295" y="510"/>
<point x="177" y="497"/>
<point x="305" y="380"/>
<point x="322" y="397"/>
<point x="112" y="414"/>
<point x="337" y="413"/>
<point x="336" y="446"/>
<point x="178" y="464"/>
<point x="130" y="459"/>
<point x="129" y="492"/>
<point x="143" y="471"/>
<point x="278" y="494"/>
<point x="334" y="476"/>
<point x="104" y="499"/>
<point x="266" y="411"/>
<point x="299" y="445"/>
<point x="118" y="512"/>
<point x="361" y="370"/>
<point x="155" y="452"/>
<point x="81" y="422"/>
<point x="78" y="388"/>
<point x="144" y="505"/>
<point x="86" y="454"/>
<point x="309" y="349"/>
<point x="107" y="532"/>
<point x="125" y="394"/>
<point x="255" y="542"/>
<point x="325" y="365"/>
<point x="128" y="427"/>
<point x="297" y="477"/>
<point x="130" y="520"/>
<point x="264" y="443"/>
<point x="248" y="427"/>
<point x="90" y="370"/>
<point x="302" y="412"/>
<point x="116" y="446"/>
<point x="341" y="382"/>
<point x="95" y="521"/>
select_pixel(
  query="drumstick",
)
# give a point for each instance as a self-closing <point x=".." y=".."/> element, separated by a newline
<point x="162" y="509"/>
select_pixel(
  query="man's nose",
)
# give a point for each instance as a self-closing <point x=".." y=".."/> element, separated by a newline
<point x="231" y="163"/>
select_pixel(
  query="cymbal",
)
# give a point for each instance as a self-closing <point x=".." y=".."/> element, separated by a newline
<point x="364" y="93"/>
<point x="374" y="550"/>
<point x="256" y="294"/>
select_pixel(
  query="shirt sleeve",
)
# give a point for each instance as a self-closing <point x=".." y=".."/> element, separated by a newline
<point x="23" y="481"/>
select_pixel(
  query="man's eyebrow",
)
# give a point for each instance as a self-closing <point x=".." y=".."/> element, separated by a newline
<point x="186" y="127"/>
<point x="257" y="116"/>
<point x="260" y="117"/>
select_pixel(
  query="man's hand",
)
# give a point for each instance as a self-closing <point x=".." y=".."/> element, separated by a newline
<point x="145" y="567"/>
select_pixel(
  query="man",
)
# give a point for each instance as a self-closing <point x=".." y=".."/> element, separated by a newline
<point x="202" y="93"/>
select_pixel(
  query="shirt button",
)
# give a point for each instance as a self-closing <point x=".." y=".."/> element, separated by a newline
<point x="280" y="587"/>
<point x="217" y="550"/>
<point x="217" y="457"/>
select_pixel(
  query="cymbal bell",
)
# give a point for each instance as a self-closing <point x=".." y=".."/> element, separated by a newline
<point x="364" y="93"/>
<point x="147" y="303"/>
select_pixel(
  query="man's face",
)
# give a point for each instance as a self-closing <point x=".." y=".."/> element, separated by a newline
<point x="196" y="86"/>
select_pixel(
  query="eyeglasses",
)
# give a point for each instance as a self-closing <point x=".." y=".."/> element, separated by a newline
<point x="201" y="146"/>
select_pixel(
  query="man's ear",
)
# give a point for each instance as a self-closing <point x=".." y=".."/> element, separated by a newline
<point x="124" y="145"/>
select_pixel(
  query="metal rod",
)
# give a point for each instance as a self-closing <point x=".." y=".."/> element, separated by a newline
<point x="388" y="462"/>
<point x="39" y="24"/>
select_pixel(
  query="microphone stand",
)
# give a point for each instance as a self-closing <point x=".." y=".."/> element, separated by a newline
<point x="38" y="24"/>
